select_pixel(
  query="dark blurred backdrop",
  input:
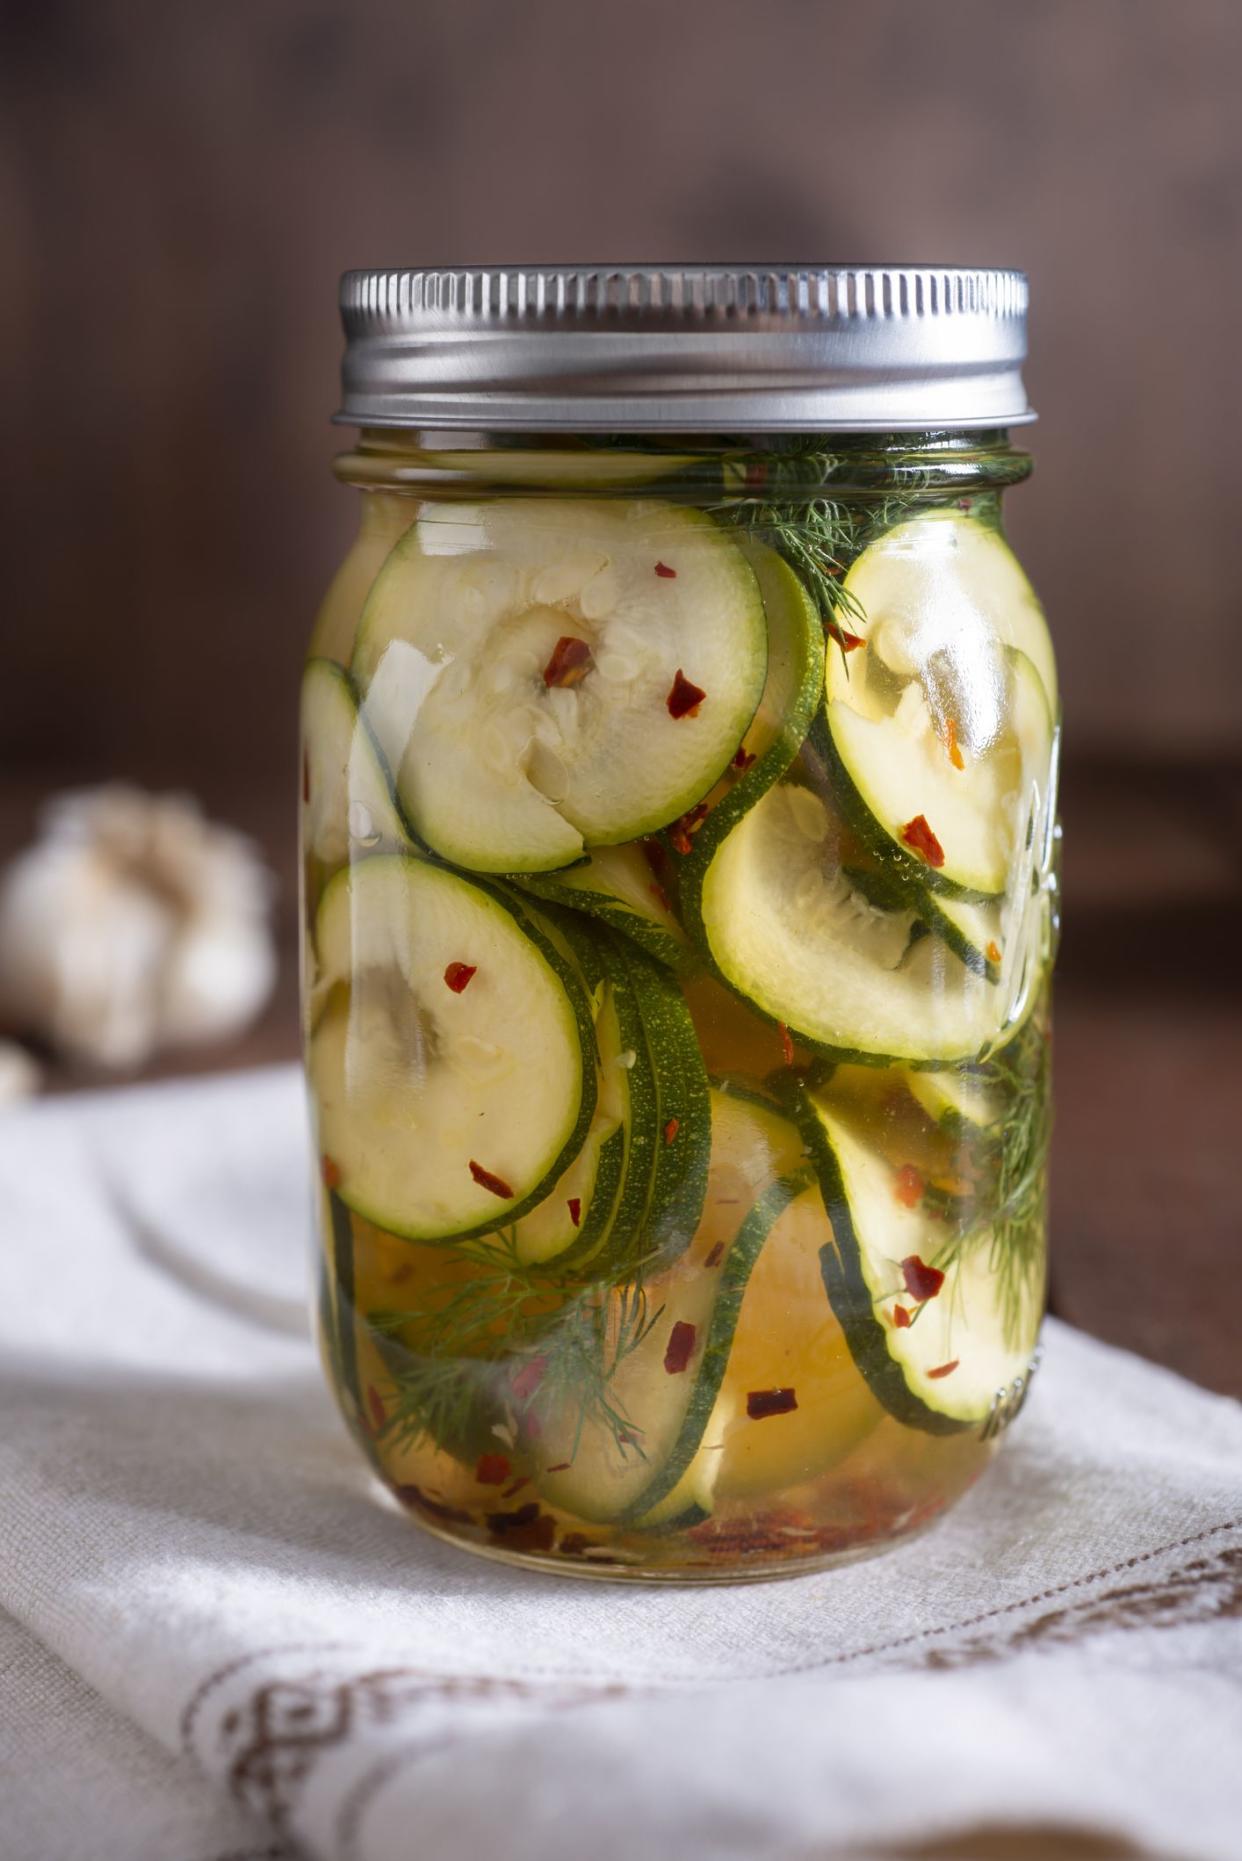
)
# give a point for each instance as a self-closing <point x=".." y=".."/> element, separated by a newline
<point x="180" y="186"/>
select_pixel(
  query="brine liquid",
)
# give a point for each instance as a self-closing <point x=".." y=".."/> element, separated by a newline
<point x="518" y="1415"/>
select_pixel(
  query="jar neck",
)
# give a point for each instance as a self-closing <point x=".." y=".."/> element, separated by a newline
<point x="789" y="467"/>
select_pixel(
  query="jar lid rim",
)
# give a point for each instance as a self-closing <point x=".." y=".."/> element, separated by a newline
<point x="706" y="348"/>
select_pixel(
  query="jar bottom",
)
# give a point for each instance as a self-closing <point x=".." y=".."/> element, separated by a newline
<point x="688" y="1565"/>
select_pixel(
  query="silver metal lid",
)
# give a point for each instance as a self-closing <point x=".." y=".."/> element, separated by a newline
<point x="711" y="348"/>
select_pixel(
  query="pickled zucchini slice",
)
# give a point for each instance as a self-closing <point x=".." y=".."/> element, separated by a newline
<point x="570" y="1223"/>
<point x="661" y="1393"/>
<point x="940" y="1359"/>
<point x="948" y="582"/>
<point x="790" y="701"/>
<point x="444" y="1106"/>
<point x="677" y="1126"/>
<point x="347" y="799"/>
<point x="616" y="885"/>
<point x="787" y="927"/>
<point x="548" y="675"/>
<point x="949" y="801"/>
<point x="963" y="1103"/>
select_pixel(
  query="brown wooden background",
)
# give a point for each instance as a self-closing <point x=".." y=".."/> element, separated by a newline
<point x="181" y="184"/>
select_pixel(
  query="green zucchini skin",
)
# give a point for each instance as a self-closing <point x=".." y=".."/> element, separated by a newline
<point x="734" y="1278"/>
<point x="623" y="1177"/>
<point x="651" y="935"/>
<point x="680" y="1161"/>
<point x="621" y="1240"/>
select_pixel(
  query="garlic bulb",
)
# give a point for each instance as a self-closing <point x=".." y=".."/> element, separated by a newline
<point x="133" y="924"/>
<point x="19" y="1074"/>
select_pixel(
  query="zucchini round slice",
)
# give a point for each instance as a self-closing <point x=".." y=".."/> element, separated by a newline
<point x="444" y="1106"/>
<point x="553" y="674"/>
<point x="346" y="797"/>
<point x="949" y="802"/>
<point x="623" y="1472"/>
<point x="788" y="928"/>
<point x="948" y="581"/>
<point x="679" y="1121"/>
<point x="942" y="1362"/>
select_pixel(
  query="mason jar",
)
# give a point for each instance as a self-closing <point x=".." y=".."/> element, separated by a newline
<point x="678" y="828"/>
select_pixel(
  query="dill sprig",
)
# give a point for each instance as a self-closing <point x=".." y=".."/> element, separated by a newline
<point x="479" y="1355"/>
<point x="784" y="498"/>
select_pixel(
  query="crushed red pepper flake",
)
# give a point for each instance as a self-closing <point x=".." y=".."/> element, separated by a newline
<point x="516" y="1486"/>
<point x="787" y="1046"/>
<point x="847" y="641"/>
<point x="901" y="1318"/>
<point x="375" y="1406"/>
<point x="662" y="569"/>
<point x="459" y="976"/>
<point x="656" y="857"/>
<point x="908" y="1187"/>
<point x="681" y="1341"/>
<point x="993" y="951"/>
<point x="562" y="1466"/>
<point x="922" y="1282"/>
<point x="330" y="1171"/>
<point x="570" y="662"/>
<point x="687" y="824"/>
<point x="716" y="1255"/>
<point x="945" y="1369"/>
<point x="492" y="1469"/>
<point x="684" y="698"/>
<point x="743" y="759"/>
<point x="671" y="1129"/>
<point x="952" y="748"/>
<point x="919" y="837"/>
<point x="574" y="1206"/>
<point x="761" y="1403"/>
<point x="660" y="895"/>
<point x="529" y="1377"/>
<point x="496" y="1185"/>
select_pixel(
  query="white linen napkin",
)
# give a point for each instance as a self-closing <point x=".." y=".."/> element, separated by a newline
<point x="206" y="1591"/>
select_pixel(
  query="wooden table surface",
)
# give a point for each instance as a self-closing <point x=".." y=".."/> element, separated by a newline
<point x="1147" y="1152"/>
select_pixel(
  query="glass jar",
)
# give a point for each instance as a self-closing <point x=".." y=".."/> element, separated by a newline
<point x="678" y="782"/>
